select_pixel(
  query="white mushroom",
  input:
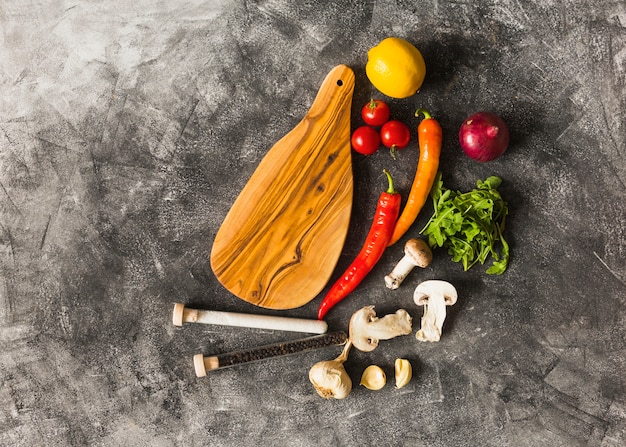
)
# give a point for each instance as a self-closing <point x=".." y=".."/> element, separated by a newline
<point x="434" y="295"/>
<point x="366" y="329"/>
<point x="417" y="253"/>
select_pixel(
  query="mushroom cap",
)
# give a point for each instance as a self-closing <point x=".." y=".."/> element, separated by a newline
<point x="432" y="287"/>
<point x="358" y="329"/>
<point x="419" y="252"/>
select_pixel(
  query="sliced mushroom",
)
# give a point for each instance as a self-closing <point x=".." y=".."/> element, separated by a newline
<point x="366" y="329"/>
<point x="434" y="295"/>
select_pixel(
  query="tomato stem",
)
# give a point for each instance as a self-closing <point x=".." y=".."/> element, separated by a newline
<point x="393" y="149"/>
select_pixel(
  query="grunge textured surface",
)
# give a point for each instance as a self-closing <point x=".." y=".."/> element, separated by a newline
<point x="127" y="130"/>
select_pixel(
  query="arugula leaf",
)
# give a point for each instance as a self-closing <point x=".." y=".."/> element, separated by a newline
<point x="470" y="225"/>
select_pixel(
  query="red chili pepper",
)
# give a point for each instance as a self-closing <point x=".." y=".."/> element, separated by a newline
<point x="377" y="239"/>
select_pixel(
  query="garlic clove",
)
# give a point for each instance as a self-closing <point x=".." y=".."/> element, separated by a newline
<point x="373" y="378"/>
<point x="404" y="372"/>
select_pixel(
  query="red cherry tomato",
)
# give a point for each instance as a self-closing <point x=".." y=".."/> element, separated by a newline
<point x="375" y="113"/>
<point x="365" y="140"/>
<point x="395" y="135"/>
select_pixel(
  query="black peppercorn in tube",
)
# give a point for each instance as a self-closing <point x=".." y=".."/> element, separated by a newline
<point x="203" y="364"/>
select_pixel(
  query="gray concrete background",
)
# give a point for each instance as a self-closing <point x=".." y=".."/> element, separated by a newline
<point x="127" y="130"/>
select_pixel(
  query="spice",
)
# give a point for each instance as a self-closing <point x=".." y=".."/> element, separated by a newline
<point x="329" y="377"/>
<point x="204" y="364"/>
<point x="375" y="244"/>
<point x="429" y="136"/>
<point x="373" y="378"/>
<point x="184" y="314"/>
<point x="403" y="372"/>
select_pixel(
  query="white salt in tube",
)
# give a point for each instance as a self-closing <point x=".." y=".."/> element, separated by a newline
<point x="184" y="315"/>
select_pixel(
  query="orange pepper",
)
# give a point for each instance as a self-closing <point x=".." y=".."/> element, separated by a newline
<point x="429" y="136"/>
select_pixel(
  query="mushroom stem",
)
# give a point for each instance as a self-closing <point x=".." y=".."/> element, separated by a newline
<point x="390" y="326"/>
<point x="434" y="295"/>
<point x="399" y="273"/>
<point x="433" y="318"/>
<point x="417" y="253"/>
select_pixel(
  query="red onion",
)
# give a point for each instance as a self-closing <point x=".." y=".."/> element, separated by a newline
<point x="484" y="136"/>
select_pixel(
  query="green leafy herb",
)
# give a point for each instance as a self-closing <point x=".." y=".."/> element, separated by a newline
<point x="470" y="225"/>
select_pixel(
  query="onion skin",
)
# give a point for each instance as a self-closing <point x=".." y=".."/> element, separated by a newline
<point x="484" y="136"/>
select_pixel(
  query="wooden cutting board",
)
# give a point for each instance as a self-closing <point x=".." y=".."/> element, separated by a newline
<point x="283" y="236"/>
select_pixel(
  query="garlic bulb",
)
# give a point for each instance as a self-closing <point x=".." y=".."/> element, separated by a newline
<point x="373" y="378"/>
<point x="329" y="377"/>
<point x="403" y="371"/>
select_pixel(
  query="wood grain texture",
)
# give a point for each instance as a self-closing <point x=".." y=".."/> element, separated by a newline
<point x="283" y="236"/>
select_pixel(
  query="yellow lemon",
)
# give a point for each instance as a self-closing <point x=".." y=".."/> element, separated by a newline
<point x="395" y="67"/>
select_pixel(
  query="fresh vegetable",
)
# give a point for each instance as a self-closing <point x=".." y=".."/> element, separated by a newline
<point x="375" y="113"/>
<point x="403" y="372"/>
<point x="395" y="135"/>
<point x="417" y="253"/>
<point x="484" y="136"/>
<point x="434" y="295"/>
<point x="387" y="211"/>
<point x="429" y="138"/>
<point x="329" y="377"/>
<point x="373" y="378"/>
<point x="366" y="329"/>
<point x="365" y="140"/>
<point x="470" y="225"/>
